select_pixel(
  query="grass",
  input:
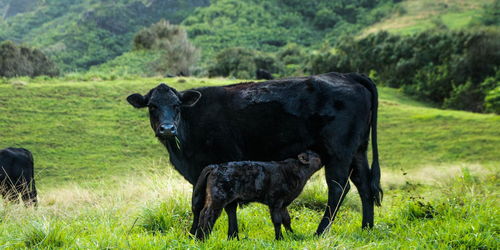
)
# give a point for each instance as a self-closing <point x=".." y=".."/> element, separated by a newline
<point x="129" y="63"/>
<point x="105" y="182"/>
<point x="415" y="16"/>
<point x="153" y="212"/>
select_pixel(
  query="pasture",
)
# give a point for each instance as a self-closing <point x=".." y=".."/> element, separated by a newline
<point x="105" y="182"/>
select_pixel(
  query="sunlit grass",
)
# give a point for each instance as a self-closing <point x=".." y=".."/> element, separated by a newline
<point x="420" y="15"/>
<point x="153" y="211"/>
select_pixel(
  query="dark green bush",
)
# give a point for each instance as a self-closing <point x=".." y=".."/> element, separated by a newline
<point x="444" y="67"/>
<point x="491" y="88"/>
<point x="178" y="55"/>
<point x="325" y="19"/>
<point x="242" y="63"/>
<point x="23" y="61"/>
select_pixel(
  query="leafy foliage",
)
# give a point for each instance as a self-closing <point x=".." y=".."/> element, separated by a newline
<point x="23" y="61"/>
<point x="491" y="14"/>
<point x="442" y="67"/>
<point x="242" y="63"/>
<point x="79" y="34"/>
<point x="178" y="55"/>
<point x="268" y="25"/>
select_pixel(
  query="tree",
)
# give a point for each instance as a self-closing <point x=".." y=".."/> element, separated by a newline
<point x="178" y="54"/>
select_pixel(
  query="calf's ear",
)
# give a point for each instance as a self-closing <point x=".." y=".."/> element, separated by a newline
<point x="190" y="97"/>
<point x="304" y="158"/>
<point x="137" y="100"/>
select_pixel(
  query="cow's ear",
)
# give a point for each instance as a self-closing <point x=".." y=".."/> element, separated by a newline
<point x="190" y="97"/>
<point x="137" y="100"/>
<point x="304" y="158"/>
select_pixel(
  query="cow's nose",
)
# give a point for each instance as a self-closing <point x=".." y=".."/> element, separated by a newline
<point x="167" y="129"/>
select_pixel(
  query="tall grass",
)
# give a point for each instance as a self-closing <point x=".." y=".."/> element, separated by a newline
<point x="153" y="211"/>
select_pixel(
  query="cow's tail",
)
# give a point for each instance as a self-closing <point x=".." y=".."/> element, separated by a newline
<point x="375" y="169"/>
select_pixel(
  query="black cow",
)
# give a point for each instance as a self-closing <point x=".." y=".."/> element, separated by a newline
<point x="17" y="175"/>
<point x="263" y="74"/>
<point x="226" y="185"/>
<point x="331" y="114"/>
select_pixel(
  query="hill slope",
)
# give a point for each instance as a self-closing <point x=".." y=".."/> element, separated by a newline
<point x="78" y="129"/>
<point x="79" y="34"/>
<point x="413" y="16"/>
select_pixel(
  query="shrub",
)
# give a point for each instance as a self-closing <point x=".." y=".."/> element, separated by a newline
<point x="444" y="67"/>
<point x="326" y="19"/>
<point x="492" y="97"/>
<point x="23" y="61"/>
<point x="178" y="54"/>
<point x="242" y="63"/>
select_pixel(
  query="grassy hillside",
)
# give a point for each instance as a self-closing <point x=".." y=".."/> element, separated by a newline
<point x="105" y="182"/>
<point x="413" y="16"/>
<point x="78" y="128"/>
<point x="79" y="34"/>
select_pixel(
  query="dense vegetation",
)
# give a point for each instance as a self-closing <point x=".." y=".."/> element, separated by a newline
<point x="105" y="181"/>
<point x="18" y="60"/>
<point x="268" y="25"/>
<point x="79" y="34"/>
<point x="177" y="55"/>
<point x="454" y="69"/>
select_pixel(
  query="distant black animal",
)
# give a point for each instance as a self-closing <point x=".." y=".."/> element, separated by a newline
<point x="263" y="74"/>
<point x="331" y="114"/>
<point x="17" y="175"/>
<point x="226" y="185"/>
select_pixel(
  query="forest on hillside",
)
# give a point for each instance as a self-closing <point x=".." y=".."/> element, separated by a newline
<point x="452" y="63"/>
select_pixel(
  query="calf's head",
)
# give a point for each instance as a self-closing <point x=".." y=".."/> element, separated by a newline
<point x="310" y="163"/>
<point x="165" y="105"/>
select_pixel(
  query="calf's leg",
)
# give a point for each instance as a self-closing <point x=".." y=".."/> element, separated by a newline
<point x="197" y="203"/>
<point x="208" y="216"/>
<point x="232" y="231"/>
<point x="286" y="219"/>
<point x="277" y="220"/>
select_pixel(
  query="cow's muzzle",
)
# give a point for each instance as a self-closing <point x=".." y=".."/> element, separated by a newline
<point x="167" y="130"/>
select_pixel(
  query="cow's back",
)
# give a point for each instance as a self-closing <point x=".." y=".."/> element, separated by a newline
<point x="15" y="162"/>
<point x="273" y="120"/>
<point x="277" y="119"/>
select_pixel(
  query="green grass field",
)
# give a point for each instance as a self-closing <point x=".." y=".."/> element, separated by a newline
<point x="105" y="182"/>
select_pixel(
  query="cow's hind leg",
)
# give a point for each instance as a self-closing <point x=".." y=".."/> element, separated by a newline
<point x="336" y="174"/>
<point x="232" y="231"/>
<point x="361" y="179"/>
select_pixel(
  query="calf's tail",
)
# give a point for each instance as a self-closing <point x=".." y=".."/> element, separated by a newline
<point x="375" y="168"/>
<point x="199" y="190"/>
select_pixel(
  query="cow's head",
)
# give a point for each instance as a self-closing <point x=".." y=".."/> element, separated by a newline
<point x="165" y="105"/>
